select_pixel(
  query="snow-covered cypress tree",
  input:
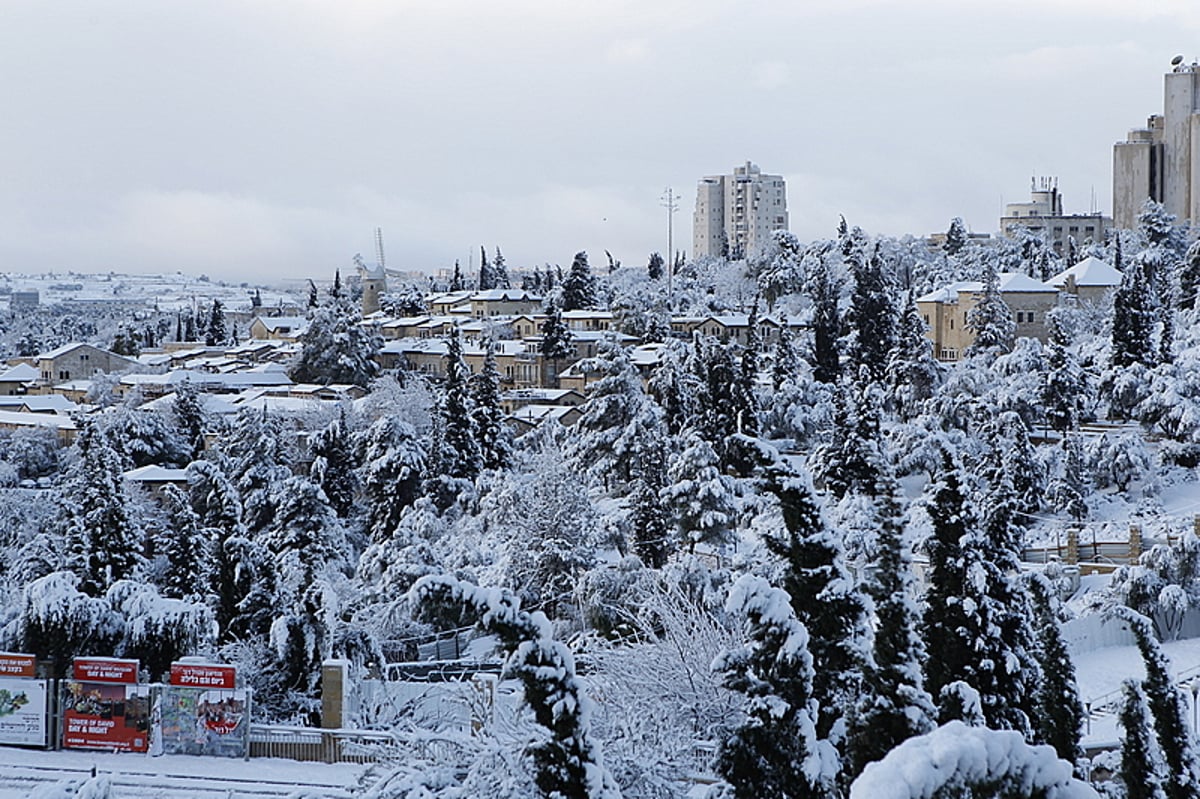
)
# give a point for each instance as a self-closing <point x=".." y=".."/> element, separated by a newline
<point x="776" y="751"/>
<point x="913" y="374"/>
<point x="185" y="549"/>
<point x="1065" y="383"/>
<point x="675" y="387"/>
<point x="190" y="417"/>
<point x="894" y="705"/>
<point x="825" y="289"/>
<point x="500" y="270"/>
<point x="656" y="268"/>
<point x="487" y="277"/>
<point x="1168" y="708"/>
<point x="333" y="466"/>
<point x="743" y="394"/>
<point x="1188" y="288"/>
<point x="824" y="599"/>
<point x="616" y="416"/>
<point x="461" y="457"/>
<point x="259" y="466"/>
<point x="457" y="282"/>
<point x="217" y="334"/>
<point x="785" y="361"/>
<point x="850" y="460"/>
<point x="1133" y="317"/>
<point x="579" y="288"/>
<point x="648" y="516"/>
<point x="872" y="315"/>
<point x="1142" y="767"/>
<point x="495" y="439"/>
<point x="956" y="237"/>
<point x="1059" y="720"/>
<point x="717" y="407"/>
<point x="991" y="320"/>
<point x="335" y="348"/>
<point x="556" y="339"/>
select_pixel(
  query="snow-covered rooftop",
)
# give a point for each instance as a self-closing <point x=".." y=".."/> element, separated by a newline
<point x="1009" y="282"/>
<point x="21" y="373"/>
<point x="1091" y="271"/>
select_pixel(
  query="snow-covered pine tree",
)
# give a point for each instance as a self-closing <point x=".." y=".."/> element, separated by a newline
<point x="335" y="348"/>
<point x="991" y="320"/>
<point x="500" y="270"/>
<point x="1142" y="768"/>
<point x="567" y="761"/>
<point x="259" y="466"/>
<point x="1168" y="708"/>
<point x="649" y="519"/>
<point x="1069" y="487"/>
<point x="457" y="282"/>
<point x="675" y="387"/>
<point x="103" y="542"/>
<point x="913" y="374"/>
<point x="1188" y="288"/>
<point x="393" y="466"/>
<point x="308" y="548"/>
<point x="495" y="439"/>
<point x="1133" y="317"/>
<point x="487" y="276"/>
<point x="776" y="751"/>
<point x="185" y="549"/>
<point x="700" y="496"/>
<point x="956" y="237"/>
<point x="824" y="599"/>
<point x="850" y="460"/>
<point x="894" y="705"/>
<point x="333" y="466"/>
<point x="460" y="455"/>
<point x="743" y="393"/>
<point x="785" y="360"/>
<point x="1059" y="720"/>
<point x="579" y="288"/>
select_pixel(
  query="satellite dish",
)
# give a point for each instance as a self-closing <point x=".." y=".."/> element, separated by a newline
<point x="1177" y="60"/>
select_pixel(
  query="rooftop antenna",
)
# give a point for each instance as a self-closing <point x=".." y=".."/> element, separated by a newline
<point x="1177" y="60"/>
<point x="671" y="203"/>
<point x="379" y="246"/>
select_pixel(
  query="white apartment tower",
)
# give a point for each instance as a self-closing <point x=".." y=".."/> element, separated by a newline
<point x="736" y="214"/>
<point x="1162" y="160"/>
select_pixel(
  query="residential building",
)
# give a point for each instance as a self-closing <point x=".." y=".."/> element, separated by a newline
<point x="736" y="214"/>
<point x="1161" y="161"/>
<point x="80" y="361"/>
<point x="1043" y="215"/>
<point x="1089" y="281"/>
<point x="945" y="311"/>
<point x="278" y="328"/>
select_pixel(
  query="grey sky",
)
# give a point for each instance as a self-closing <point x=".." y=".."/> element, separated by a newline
<point x="259" y="139"/>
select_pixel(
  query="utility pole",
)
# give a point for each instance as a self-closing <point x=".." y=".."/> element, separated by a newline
<point x="671" y="203"/>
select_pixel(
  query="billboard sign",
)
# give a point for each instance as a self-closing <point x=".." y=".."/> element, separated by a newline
<point x="203" y="675"/>
<point x="105" y="708"/>
<point x="203" y="721"/>
<point x="14" y="665"/>
<point x="22" y="711"/>
<point x="110" y="670"/>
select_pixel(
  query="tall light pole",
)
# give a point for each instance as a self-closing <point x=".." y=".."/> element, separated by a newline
<point x="671" y="203"/>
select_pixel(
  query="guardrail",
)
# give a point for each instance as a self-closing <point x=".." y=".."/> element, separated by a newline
<point x="319" y="745"/>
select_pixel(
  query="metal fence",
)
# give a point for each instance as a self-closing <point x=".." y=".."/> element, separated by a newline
<point x="319" y="745"/>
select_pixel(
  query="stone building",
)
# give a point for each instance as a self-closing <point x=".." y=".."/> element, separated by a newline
<point x="945" y="311"/>
<point x="1043" y="215"/>
<point x="736" y="214"/>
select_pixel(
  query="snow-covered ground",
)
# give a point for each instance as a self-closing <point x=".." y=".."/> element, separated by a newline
<point x="173" y="776"/>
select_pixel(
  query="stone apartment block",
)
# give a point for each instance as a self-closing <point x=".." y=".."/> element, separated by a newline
<point x="736" y="214"/>
<point x="1043" y="215"/>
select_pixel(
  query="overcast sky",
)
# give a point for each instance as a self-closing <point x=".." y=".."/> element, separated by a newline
<point x="264" y="139"/>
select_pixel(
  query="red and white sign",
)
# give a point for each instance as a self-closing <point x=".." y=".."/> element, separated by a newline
<point x="14" y="665"/>
<point x="203" y="675"/>
<point x="108" y="670"/>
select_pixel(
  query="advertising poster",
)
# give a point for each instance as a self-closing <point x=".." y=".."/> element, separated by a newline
<point x="22" y="712"/>
<point x="104" y="708"/>
<point x="203" y="721"/>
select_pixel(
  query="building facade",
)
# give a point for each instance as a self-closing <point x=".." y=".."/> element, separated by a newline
<point x="1043" y="215"/>
<point x="736" y="214"/>
<point x="1161" y="161"/>
<point x="945" y="311"/>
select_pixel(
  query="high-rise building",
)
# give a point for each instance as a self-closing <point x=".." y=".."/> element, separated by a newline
<point x="1161" y="161"/>
<point x="736" y="214"/>
<point x="1043" y="215"/>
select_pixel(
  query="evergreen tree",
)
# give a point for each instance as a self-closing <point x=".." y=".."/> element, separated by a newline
<point x="333" y="467"/>
<point x="913" y="374"/>
<point x="1168" y="708"/>
<point x="190" y="418"/>
<point x="185" y="550"/>
<point x="991" y="320"/>
<point x="1070" y="487"/>
<point x="700" y="496"/>
<point x="1142" y="768"/>
<point x="556" y="338"/>
<point x="178" y="326"/>
<point x="894" y="705"/>
<point x="189" y="330"/>
<point x="259" y="467"/>
<point x="1065" y="383"/>
<point x="617" y="415"/>
<point x="648" y="516"/>
<point x="655" y="268"/>
<point x="335" y="348"/>
<point x="579" y="289"/>
<point x="825" y="290"/>
<point x="1059" y="721"/>
<point x="103" y="542"/>
<point x="872" y="315"/>
<point x="850" y="460"/>
<point x="771" y="754"/>
<point x="335" y="291"/>
<point x="394" y="462"/>
<point x="1189" y="279"/>
<point x="500" y="270"/>
<point x="824" y="599"/>
<point x="487" y="277"/>
<point x="460" y="454"/>
<point x="218" y="332"/>
<point x="314" y="300"/>
<point x="1133" y="317"/>
<point x="494" y="436"/>
<point x="956" y="237"/>
<point x="785" y="363"/>
<point x="720" y="406"/>
<point x="457" y="283"/>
